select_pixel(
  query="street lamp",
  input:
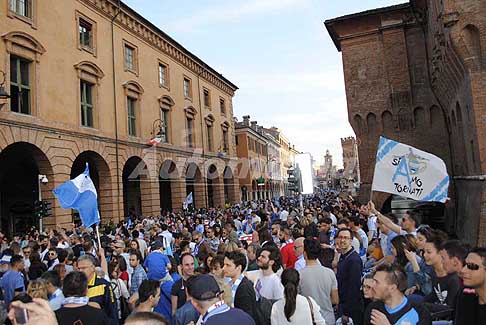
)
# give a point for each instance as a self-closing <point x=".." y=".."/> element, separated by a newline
<point x="3" y="92"/>
<point x="42" y="179"/>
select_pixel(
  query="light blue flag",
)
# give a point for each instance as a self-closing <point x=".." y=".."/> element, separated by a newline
<point x="187" y="201"/>
<point x="80" y="194"/>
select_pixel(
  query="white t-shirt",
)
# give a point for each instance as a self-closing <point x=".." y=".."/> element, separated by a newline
<point x="283" y="215"/>
<point x="269" y="286"/>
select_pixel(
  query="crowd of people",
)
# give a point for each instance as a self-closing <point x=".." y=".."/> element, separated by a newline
<point x="331" y="261"/>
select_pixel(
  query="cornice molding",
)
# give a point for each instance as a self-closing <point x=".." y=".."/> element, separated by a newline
<point x="136" y="24"/>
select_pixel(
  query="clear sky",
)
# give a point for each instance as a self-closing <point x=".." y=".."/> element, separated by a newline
<point x="279" y="54"/>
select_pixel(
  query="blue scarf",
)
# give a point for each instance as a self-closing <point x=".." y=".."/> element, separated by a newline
<point x="218" y="308"/>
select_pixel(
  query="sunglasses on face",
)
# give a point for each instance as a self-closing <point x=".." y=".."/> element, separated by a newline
<point x="473" y="266"/>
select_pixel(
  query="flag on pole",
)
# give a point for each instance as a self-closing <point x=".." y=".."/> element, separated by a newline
<point x="155" y="141"/>
<point x="187" y="201"/>
<point x="409" y="172"/>
<point x="80" y="194"/>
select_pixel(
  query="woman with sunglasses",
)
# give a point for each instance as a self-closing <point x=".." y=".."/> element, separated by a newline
<point x="471" y="303"/>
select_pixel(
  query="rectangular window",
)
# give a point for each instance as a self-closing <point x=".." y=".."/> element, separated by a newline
<point x="21" y="7"/>
<point x="163" y="75"/>
<point x="187" y="88"/>
<point x="189" y="127"/>
<point x="132" y="121"/>
<point x="225" y="140"/>
<point x="236" y="140"/>
<point x="222" y="106"/>
<point x="164" y="130"/>
<point x="207" y="99"/>
<point x="19" y="85"/>
<point x="86" y="104"/>
<point x="210" y="137"/>
<point x="129" y="58"/>
<point x="85" y="33"/>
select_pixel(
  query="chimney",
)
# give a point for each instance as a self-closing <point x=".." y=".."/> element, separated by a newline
<point x="254" y="125"/>
<point x="246" y="120"/>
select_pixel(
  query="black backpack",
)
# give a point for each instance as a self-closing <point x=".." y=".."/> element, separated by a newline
<point x="264" y="310"/>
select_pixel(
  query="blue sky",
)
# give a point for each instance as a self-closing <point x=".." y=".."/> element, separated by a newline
<point x="278" y="53"/>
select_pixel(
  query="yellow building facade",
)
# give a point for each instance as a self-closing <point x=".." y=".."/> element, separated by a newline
<point x="91" y="82"/>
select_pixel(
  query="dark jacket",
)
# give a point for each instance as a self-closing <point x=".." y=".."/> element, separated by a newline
<point x="100" y="291"/>
<point x="468" y="309"/>
<point x="245" y="298"/>
<point x="348" y="275"/>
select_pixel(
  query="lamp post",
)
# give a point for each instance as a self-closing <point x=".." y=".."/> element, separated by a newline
<point x="3" y="92"/>
<point x="41" y="179"/>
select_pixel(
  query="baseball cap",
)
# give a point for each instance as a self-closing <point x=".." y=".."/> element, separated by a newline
<point x="157" y="245"/>
<point x="203" y="287"/>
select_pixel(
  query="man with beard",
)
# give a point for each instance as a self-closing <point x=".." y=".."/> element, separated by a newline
<point x="267" y="282"/>
<point x="276" y="232"/>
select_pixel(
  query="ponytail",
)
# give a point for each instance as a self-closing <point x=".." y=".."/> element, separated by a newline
<point x="290" y="280"/>
<point x="290" y="292"/>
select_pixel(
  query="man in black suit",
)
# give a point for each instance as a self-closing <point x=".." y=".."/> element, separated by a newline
<point x="242" y="292"/>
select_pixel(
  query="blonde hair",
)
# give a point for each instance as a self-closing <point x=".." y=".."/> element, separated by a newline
<point x="37" y="289"/>
<point x="231" y="247"/>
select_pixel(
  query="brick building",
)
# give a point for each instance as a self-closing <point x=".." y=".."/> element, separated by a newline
<point x="415" y="73"/>
<point x="351" y="177"/>
<point x="91" y="82"/>
<point x="252" y="151"/>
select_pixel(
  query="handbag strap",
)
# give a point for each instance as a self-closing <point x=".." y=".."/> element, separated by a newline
<point x="311" y="310"/>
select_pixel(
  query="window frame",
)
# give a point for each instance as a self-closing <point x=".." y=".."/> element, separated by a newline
<point x="210" y="138"/>
<point x="166" y="84"/>
<point x="92" y="48"/>
<point x="187" y="96"/>
<point x="91" y="73"/>
<point x="85" y="106"/>
<point x="134" y="68"/>
<point x="222" y="106"/>
<point x="132" y="116"/>
<point x="206" y="98"/>
<point x="190" y="131"/>
<point x="30" y="19"/>
<point x="133" y="91"/>
<point x="20" y="85"/>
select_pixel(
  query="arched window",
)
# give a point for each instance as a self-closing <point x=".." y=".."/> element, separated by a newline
<point x="387" y="122"/>
<point x="371" y="123"/>
<point x="358" y="125"/>
<point x="419" y="117"/>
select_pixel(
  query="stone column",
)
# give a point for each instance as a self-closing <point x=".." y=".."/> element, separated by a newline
<point x="178" y="193"/>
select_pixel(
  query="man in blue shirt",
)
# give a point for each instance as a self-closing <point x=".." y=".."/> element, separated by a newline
<point x="12" y="282"/>
<point x="157" y="263"/>
<point x="138" y="274"/>
<point x="391" y="305"/>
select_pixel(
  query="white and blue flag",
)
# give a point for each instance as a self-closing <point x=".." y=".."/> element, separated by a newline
<point x="80" y="194"/>
<point x="187" y="201"/>
<point x="409" y="172"/>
